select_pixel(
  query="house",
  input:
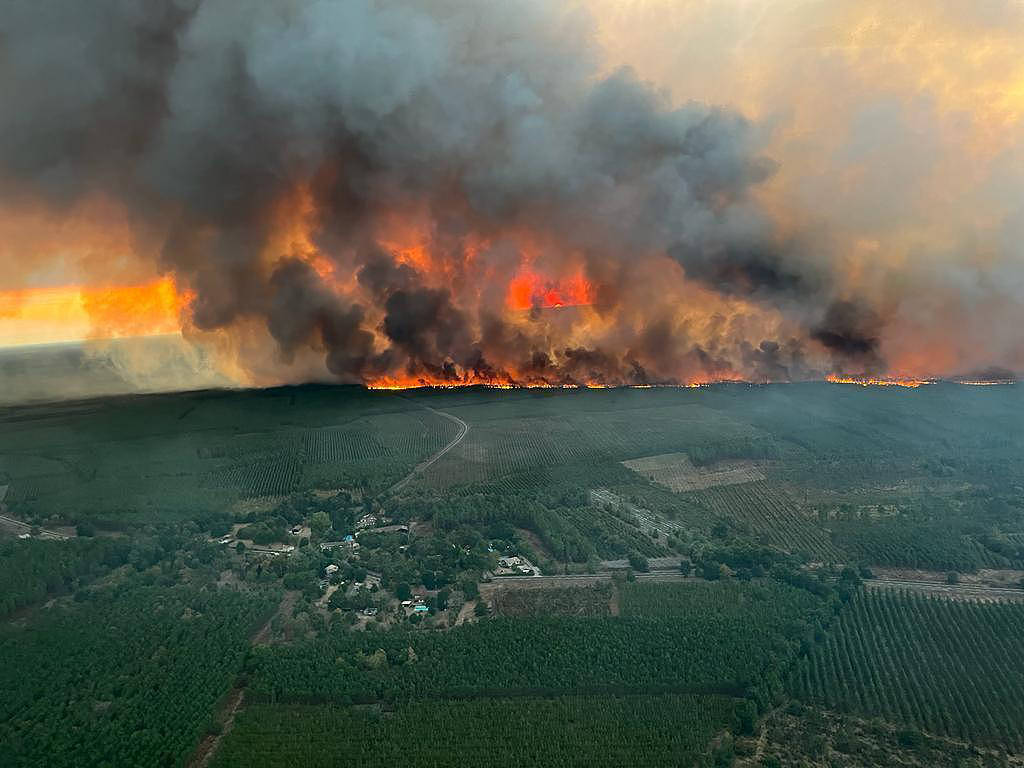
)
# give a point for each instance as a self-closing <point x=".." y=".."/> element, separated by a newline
<point x="369" y="611"/>
<point x="509" y="562"/>
<point x="330" y="570"/>
<point x="323" y="585"/>
<point x="525" y="569"/>
<point x="406" y="603"/>
<point x="296" y="530"/>
<point x="366" y="521"/>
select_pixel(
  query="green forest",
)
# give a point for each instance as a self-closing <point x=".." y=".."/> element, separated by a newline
<point x="809" y="574"/>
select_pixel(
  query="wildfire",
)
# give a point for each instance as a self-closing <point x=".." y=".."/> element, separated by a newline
<point x="74" y="313"/>
<point x="529" y="289"/>
<point x="870" y="381"/>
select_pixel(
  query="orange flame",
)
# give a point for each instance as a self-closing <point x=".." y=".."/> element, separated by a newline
<point x="75" y="313"/>
<point x="870" y="381"/>
<point x="529" y="289"/>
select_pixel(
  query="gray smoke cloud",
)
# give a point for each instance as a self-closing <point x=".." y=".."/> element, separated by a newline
<point x="486" y="120"/>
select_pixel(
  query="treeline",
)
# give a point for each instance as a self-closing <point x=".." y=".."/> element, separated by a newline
<point x="492" y="733"/>
<point x="32" y="570"/>
<point x="729" y="637"/>
<point x="129" y="677"/>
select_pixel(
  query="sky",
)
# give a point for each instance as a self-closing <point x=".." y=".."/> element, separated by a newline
<point x="614" y="191"/>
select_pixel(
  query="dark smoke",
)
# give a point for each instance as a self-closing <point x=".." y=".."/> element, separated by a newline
<point x="852" y="333"/>
<point x="484" y="119"/>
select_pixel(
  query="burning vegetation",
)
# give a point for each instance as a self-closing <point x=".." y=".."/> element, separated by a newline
<point x="440" y="193"/>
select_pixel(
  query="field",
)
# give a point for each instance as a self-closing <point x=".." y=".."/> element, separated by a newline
<point x="949" y="667"/>
<point x="677" y="473"/>
<point x="567" y="731"/>
<point x="594" y="600"/>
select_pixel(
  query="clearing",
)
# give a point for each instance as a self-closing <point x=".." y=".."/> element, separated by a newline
<point x="676" y="472"/>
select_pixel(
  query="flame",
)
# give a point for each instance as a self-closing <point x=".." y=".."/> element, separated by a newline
<point x="76" y="313"/>
<point x="870" y="381"/>
<point x="529" y="289"/>
<point x="986" y="382"/>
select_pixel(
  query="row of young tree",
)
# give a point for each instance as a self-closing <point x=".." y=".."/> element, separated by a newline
<point x="667" y="730"/>
<point x="951" y="668"/>
<point x="129" y="677"/>
<point x="728" y="637"/>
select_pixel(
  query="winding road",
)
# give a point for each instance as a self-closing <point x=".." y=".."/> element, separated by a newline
<point x="419" y="468"/>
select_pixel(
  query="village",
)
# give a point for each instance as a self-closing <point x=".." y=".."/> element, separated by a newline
<point x="364" y="577"/>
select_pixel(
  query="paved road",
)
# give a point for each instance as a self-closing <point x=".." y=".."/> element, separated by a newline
<point x="419" y="468"/>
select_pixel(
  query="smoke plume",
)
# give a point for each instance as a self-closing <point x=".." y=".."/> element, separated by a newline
<point x="442" y="191"/>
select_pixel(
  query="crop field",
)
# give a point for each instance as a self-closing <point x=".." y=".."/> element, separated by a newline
<point x="569" y="731"/>
<point x="951" y="668"/>
<point x="676" y="472"/>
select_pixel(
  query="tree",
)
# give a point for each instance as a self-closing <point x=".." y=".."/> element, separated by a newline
<point x="402" y="591"/>
<point x="469" y="588"/>
<point x="952" y="577"/>
<point x="240" y="547"/>
<point x="711" y="570"/>
<point x="319" y="522"/>
<point x="638" y="562"/>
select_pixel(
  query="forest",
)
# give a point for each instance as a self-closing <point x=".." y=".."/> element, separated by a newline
<point x="730" y="575"/>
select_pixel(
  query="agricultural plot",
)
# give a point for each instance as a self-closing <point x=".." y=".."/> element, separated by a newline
<point x="950" y="668"/>
<point x="774" y="518"/>
<point x="900" y="543"/>
<point x="566" y="731"/>
<point x="526" y="600"/>
<point x="676" y="472"/>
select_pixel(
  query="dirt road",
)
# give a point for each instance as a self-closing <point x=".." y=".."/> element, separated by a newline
<point x="208" y="746"/>
<point x="974" y="592"/>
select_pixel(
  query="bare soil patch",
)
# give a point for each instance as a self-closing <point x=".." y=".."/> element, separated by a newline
<point x="676" y="472"/>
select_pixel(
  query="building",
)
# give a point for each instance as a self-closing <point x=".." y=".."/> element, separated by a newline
<point x="509" y="562"/>
<point x="420" y="609"/>
<point x="330" y="570"/>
